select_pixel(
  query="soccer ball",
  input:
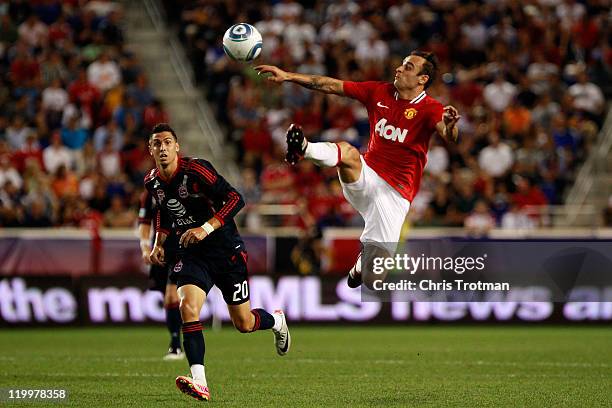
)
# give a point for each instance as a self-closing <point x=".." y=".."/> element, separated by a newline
<point x="242" y="42"/>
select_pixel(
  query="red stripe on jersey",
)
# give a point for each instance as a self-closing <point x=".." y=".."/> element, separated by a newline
<point x="151" y="175"/>
<point x="339" y="154"/>
<point x="229" y="206"/>
<point x="219" y="219"/>
<point x="208" y="175"/>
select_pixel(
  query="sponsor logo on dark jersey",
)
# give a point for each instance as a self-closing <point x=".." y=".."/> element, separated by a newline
<point x="182" y="191"/>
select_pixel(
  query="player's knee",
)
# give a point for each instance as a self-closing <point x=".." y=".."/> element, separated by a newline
<point x="189" y="311"/>
<point x="350" y="155"/>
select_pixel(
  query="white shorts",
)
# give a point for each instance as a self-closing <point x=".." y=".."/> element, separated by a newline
<point x="383" y="209"/>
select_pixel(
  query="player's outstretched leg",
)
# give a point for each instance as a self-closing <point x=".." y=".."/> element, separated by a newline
<point x="247" y="321"/>
<point x="324" y="154"/>
<point x="192" y="299"/>
<point x="173" y="322"/>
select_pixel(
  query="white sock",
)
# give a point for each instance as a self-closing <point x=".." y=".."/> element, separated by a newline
<point x="323" y="154"/>
<point x="278" y="321"/>
<point x="197" y="373"/>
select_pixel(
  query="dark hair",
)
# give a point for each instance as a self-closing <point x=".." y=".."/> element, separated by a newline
<point x="430" y="66"/>
<point x="163" y="127"/>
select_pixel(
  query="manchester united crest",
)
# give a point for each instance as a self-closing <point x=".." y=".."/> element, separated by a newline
<point x="182" y="191"/>
<point x="410" y="113"/>
<point x="160" y="195"/>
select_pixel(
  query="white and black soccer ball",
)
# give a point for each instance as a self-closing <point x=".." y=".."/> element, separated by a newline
<point x="242" y="42"/>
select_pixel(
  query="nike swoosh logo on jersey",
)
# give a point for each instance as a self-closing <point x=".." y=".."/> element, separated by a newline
<point x="381" y="105"/>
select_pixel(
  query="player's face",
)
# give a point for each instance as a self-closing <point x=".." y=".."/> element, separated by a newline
<point x="164" y="148"/>
<point x="407" y="75"/>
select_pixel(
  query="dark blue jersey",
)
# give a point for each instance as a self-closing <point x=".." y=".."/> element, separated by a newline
<point x="194" y="194"/>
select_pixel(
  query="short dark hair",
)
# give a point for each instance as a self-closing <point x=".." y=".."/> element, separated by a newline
<point x="430" y="66"/>
<point x="163" y="127"/>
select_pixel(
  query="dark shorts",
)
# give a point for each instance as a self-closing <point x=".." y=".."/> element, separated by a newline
<point x="229" y="275"/>
<point x="159" y="278"/>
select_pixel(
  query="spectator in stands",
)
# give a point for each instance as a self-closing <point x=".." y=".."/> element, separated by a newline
<point x="480" y="221"/>
<point x="33" y="32"/>
<point x="496" y="159"/>
<point x="84" y="92"/>
<point x="118" y="215"/>
<point x="9" y="174"/>
<point x="529" y="197"/>
<point x="107" y="131"/>
<point x="73" y="134"/>
<point x="104" y="73"/>
<point x="514" y="218"/>
<point x="17" y="133"/>
<point x="36" y="215"/>
<point x="65" y="183"/>
<point x="108" y="159"/>
<point x="587" y="97"/>
<point x="498" y="94"/>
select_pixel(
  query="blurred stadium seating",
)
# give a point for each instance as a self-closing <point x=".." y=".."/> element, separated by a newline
<point x="531" y="82"/>
<point x="80" y="94"/>
<point x="75" y="111"/>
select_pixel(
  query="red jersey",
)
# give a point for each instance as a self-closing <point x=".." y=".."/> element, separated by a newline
<point x="399" y="133"/>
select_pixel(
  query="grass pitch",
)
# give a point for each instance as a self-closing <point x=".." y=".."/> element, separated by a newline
<point x="329" y="366"/>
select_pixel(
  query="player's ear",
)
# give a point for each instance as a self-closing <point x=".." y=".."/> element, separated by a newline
<point x="177" y="147"/>
<point x="423" y="79"/>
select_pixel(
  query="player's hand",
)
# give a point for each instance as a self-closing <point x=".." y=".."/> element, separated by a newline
<point x="451" y="116"/>
<point x="146" y="256"/>
<point x="192" y="236"/>
<point x="145" y="249"/>
<point x="157" y="255"/>
<point x="278" y="75"/>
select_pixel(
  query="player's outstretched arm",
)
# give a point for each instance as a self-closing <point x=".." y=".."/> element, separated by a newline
<point x="315" y="82"/>
<point x="447" y="127"/>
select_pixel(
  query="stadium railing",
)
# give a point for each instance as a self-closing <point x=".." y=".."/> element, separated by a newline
<point x="212" y="136"/>
<point x="586" y="181"/>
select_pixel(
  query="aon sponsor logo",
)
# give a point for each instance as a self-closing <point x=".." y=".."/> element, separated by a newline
<point x="390" y="131"/>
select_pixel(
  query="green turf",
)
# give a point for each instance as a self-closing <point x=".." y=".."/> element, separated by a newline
<point x="340" y="366"/>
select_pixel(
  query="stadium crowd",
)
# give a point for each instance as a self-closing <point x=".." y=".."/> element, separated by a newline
<point x="529" y="78"/>
<point x="75" y="110"/>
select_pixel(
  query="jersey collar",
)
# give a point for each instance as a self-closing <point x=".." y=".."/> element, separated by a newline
<point x="416" y="100"/>
<point x="419" y="98"/>
<point x="178" y="168"/>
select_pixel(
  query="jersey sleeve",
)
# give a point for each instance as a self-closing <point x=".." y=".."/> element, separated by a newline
<point x="162" y="221"/>
<point x="362" y="91"/>
<point x="226" y="200"/>
<point x="145" y="214"/>
<point x="435" y="115"/>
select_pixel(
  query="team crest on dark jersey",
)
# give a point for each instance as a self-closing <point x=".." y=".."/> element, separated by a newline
<point x="178" y="266"/>
<point x="160" y="195"/>
<point x="182" y="191"/>
<point x="410" y="113"/>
